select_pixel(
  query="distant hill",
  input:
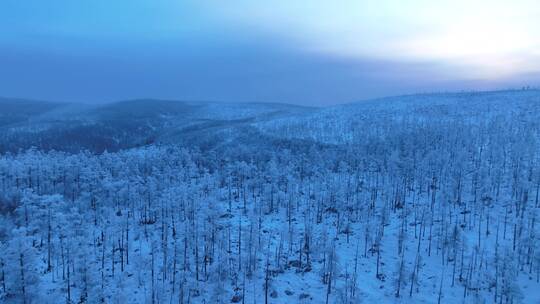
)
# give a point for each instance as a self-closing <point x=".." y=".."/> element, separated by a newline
<point x="130" y="123"/>
<point x="13" y="110"/>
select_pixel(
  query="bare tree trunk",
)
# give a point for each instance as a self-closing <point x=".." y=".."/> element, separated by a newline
<point x="23" y="283"/>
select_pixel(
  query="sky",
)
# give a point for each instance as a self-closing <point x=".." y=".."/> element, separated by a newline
<point x="309" y="52"/>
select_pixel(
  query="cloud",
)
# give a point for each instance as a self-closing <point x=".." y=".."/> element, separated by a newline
<point x="239" y="71"/>
<point x="488" y="39"/>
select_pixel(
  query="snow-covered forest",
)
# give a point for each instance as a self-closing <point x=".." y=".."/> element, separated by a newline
<point x="415" y="199"/>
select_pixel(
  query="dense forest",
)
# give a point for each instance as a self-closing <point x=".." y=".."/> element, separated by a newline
<point x="416" y="199"/>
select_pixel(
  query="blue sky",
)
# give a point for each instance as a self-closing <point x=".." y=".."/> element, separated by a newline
<point x="306" y="52"/>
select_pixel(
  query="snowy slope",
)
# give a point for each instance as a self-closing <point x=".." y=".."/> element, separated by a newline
<point x="350" y="122"/>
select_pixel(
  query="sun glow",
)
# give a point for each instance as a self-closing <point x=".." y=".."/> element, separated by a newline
<point x="480" y="39"/>
<point x="492" y="47"/>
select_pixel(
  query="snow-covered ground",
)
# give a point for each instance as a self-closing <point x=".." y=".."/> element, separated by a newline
<point x="415" y="199"/>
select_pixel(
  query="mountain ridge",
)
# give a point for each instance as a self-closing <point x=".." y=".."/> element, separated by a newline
<point x="135" y="122"/>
